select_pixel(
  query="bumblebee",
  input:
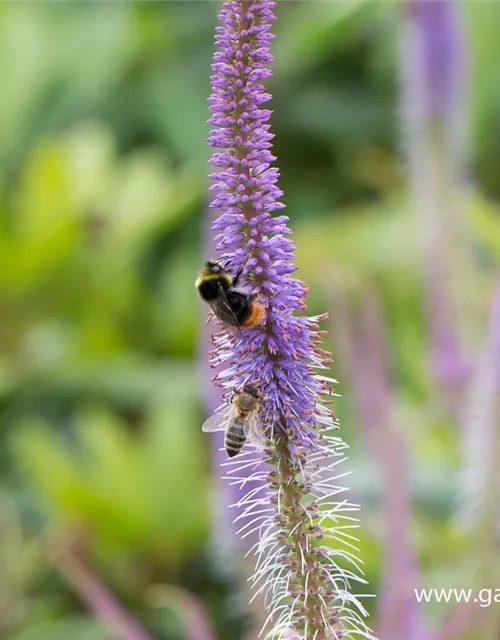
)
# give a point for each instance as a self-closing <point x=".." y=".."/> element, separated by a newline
<point x="234" y="308"/>
<point x="240" y="421"/>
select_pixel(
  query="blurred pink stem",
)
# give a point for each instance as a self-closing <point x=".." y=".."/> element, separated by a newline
<point x="482" y="444"/>
<point x="105" y="606"/>
<point x="365" y="354"/>
<point x="460" y="621"/>
<point x="225" y="493"/>
<point x="197" y="625"/>
<point x="399" y="615"/>
<point x="196" y="622"/>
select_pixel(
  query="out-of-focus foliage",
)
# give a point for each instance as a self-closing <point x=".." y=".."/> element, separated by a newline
<point x="113" y="484"/>
<point x="102" y="191"/>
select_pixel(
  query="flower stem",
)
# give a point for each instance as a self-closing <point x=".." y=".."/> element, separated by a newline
<point x="99" y="599"/>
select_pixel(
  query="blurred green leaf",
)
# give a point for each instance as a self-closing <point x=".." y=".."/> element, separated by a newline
<point x="306" y="34"/>
<point x="129" y="380"/>
<point x="128" y="489"/>
<point x="76" y="628"/>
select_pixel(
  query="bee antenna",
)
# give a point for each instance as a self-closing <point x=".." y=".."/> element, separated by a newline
<point x="247" y="258"/>
<point x="225" y="261"/>
<point x="249" y="255"/>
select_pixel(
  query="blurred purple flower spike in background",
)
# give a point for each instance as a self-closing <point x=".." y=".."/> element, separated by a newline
<point x="438" y="45"/>
<point x="434" y="73"/>
<point x="433" y="78"/>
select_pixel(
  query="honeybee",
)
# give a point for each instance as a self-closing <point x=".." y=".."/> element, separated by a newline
<point x="234" y="308"/>
<point x="240" y="420"/>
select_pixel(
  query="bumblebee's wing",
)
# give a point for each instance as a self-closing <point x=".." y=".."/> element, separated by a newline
<point x="224" y="312"/>
<point x="218" y="421"/>
<point x="254" y="430"/>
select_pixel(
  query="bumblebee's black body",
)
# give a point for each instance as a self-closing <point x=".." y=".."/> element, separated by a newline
<point x="218" y="287"/>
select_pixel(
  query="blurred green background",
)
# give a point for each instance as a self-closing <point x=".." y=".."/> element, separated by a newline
<point x="103" y="166"/>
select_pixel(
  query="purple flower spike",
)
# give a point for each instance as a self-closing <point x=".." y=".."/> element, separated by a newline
<point x="440" y="55"/>
<point x="306" y="554"/>
<point x="434" y="66"/>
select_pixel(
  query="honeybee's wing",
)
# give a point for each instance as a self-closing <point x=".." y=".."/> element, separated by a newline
<point x="255" y="431"/>
<point x="224" y="311"/>
<point x="218" y="421"/>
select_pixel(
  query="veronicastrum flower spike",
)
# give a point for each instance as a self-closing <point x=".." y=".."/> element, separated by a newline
<point x="306" y="553"/>
<point x="434" y="66"/>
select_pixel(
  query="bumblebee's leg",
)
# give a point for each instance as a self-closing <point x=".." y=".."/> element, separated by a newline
<point x="237" y="275"/>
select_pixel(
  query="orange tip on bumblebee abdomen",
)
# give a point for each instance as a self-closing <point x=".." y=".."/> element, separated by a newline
<point x="256" y="315"/>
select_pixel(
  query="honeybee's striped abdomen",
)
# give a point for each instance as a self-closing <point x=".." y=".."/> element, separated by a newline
<point x="234" y="439"/>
